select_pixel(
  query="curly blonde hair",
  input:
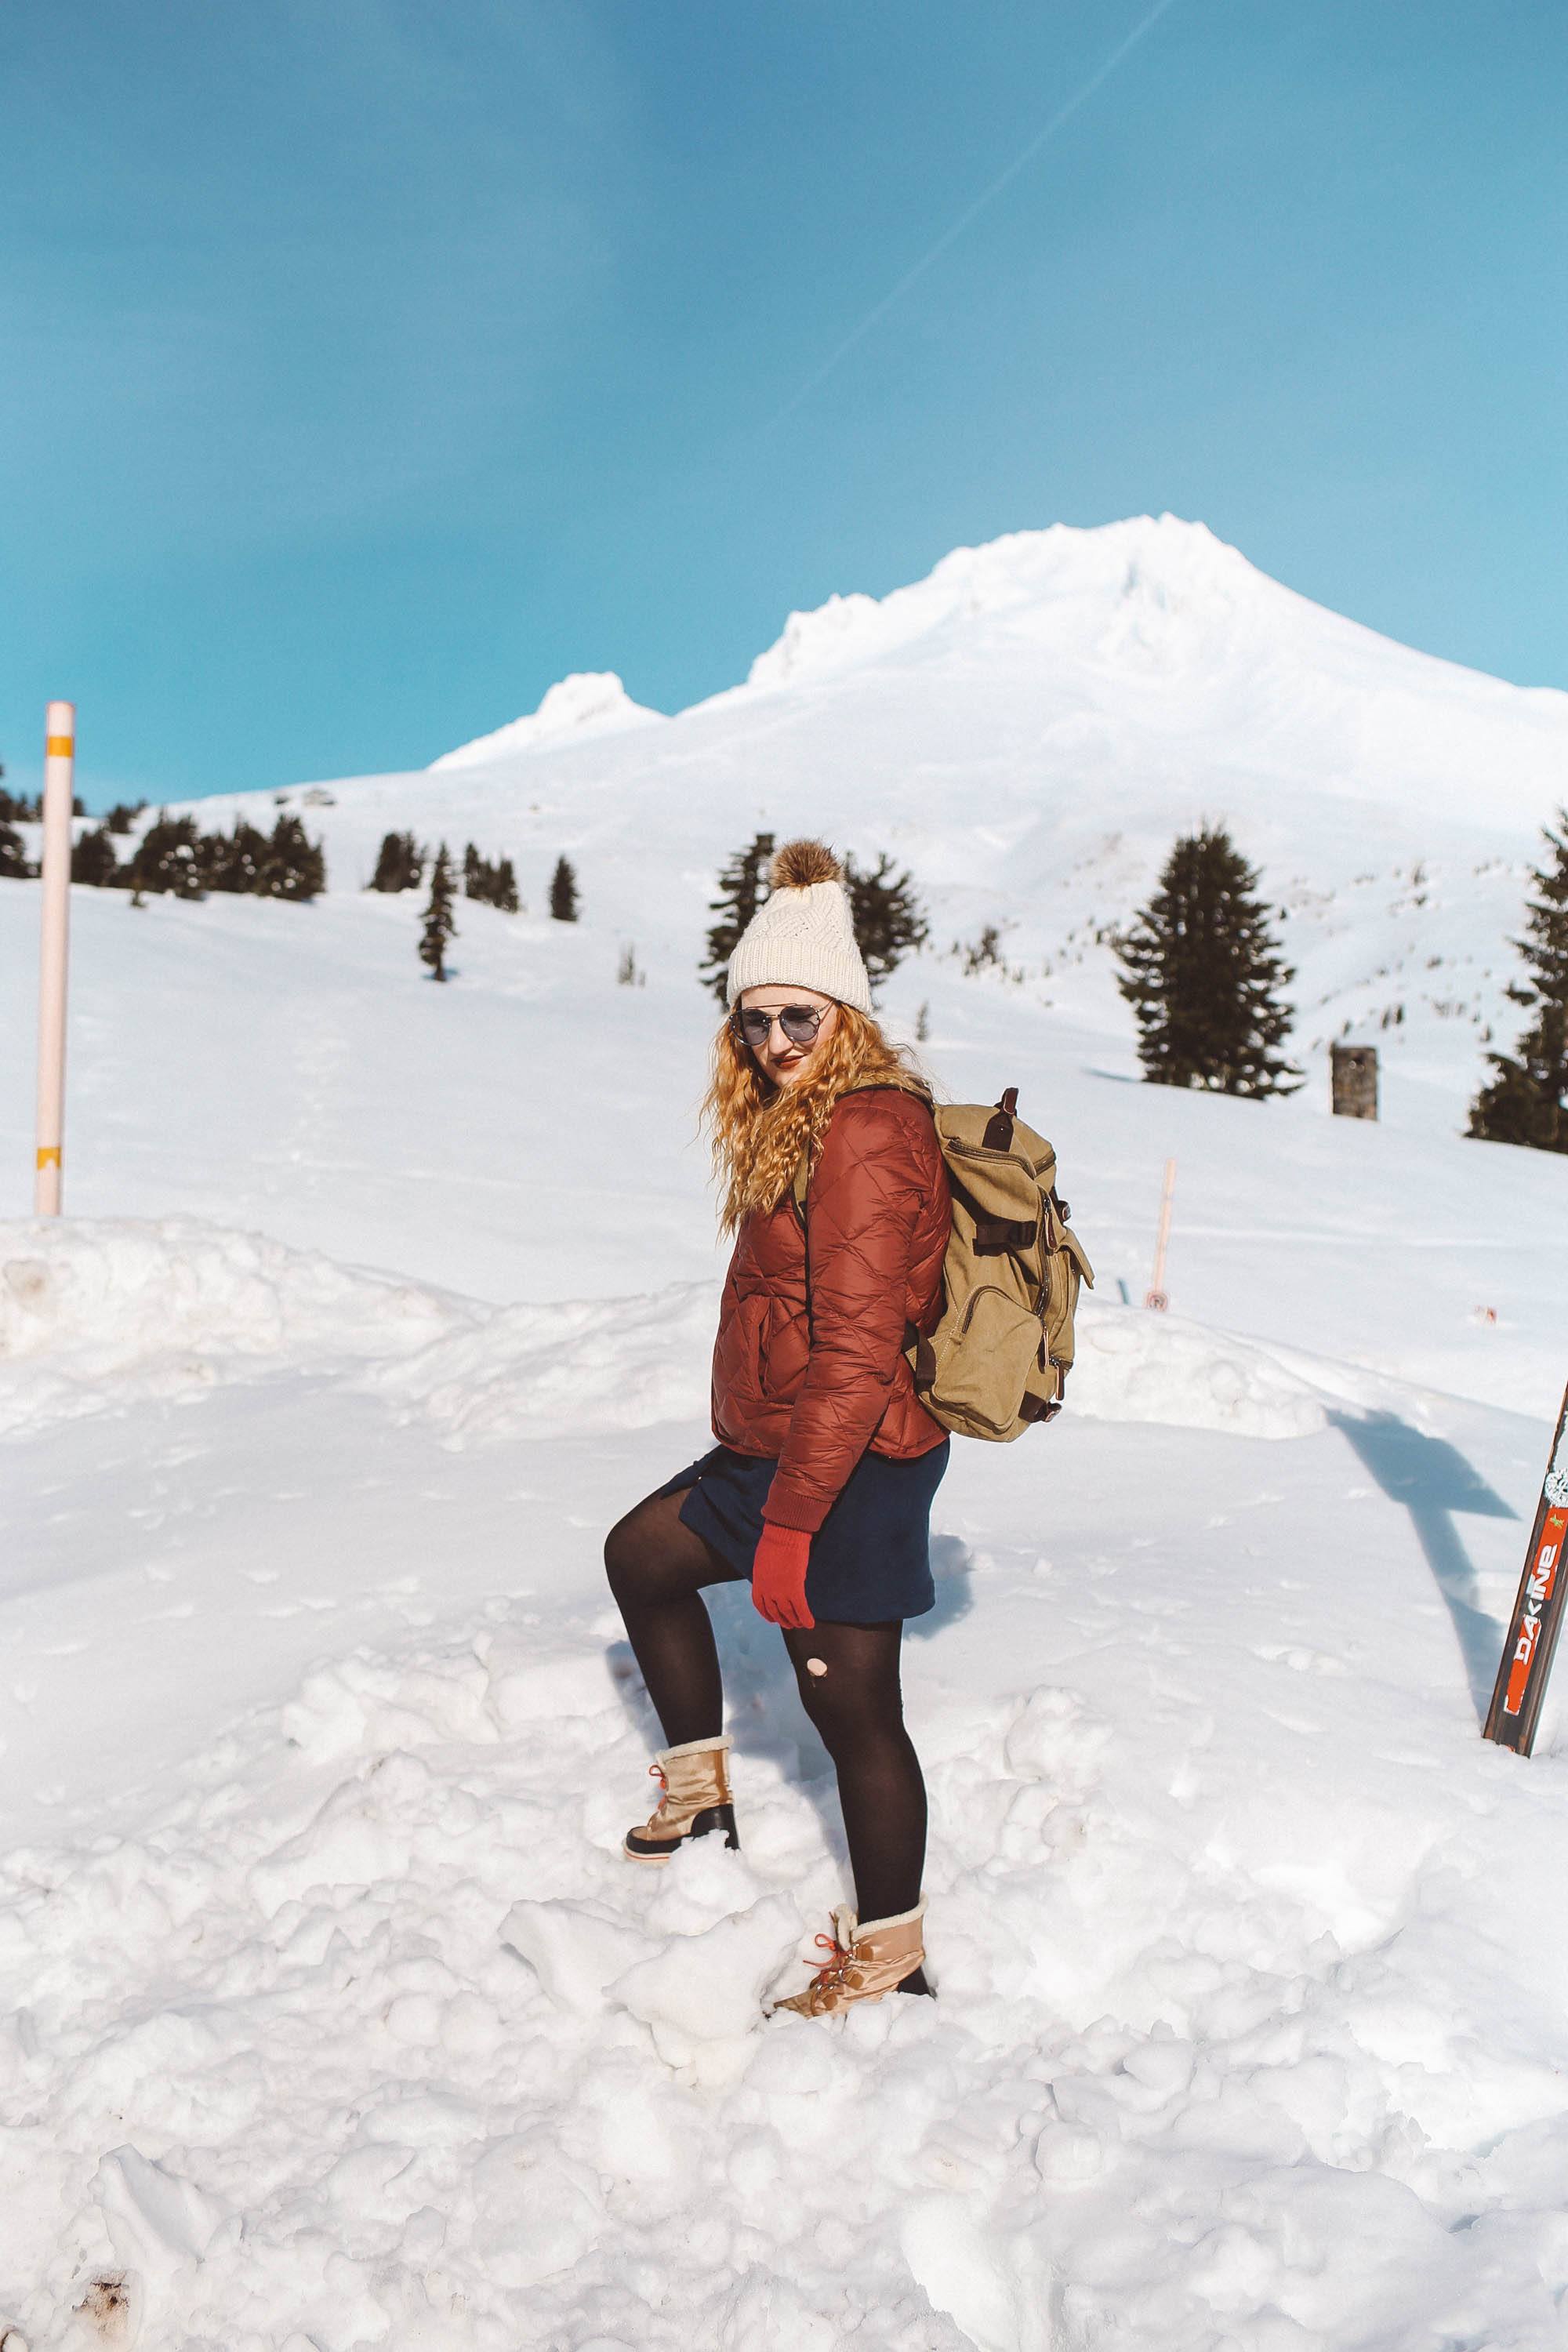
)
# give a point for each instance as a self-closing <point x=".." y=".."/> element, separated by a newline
<point x="759" y="1131"/>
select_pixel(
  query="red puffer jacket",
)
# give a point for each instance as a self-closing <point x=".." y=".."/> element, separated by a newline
<point x="819" y="1389"/>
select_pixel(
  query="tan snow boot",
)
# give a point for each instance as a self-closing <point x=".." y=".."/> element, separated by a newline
<point x="864" y="1962"/>
<point x="695" y="1778"/>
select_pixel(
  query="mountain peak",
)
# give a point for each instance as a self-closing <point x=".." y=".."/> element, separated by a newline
<point x="1147" y="563"/>
<point x="588" y="702"/>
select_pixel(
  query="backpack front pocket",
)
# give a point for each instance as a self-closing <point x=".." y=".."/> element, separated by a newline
<point x="991" y="1355"/>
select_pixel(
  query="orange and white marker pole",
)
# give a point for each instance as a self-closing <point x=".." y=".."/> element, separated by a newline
<point x="1155" y="1294"/>
<point x="59" y="763"/>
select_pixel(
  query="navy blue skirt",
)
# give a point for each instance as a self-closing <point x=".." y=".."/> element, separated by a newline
<point x="871" y="1558"/>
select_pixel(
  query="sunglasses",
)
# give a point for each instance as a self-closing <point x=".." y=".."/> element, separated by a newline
<point x="800" y="1023"/>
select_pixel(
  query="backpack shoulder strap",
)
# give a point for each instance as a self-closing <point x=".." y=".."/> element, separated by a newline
<point x="801" y="1180"/>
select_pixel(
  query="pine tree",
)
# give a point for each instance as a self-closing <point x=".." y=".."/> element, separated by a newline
<point x="123" y="815"/>
<point x="491" y="881"/>
<point x="563" y="892"/>
<point x="94" y="862"/>
<point x="293" y="867"/>
<point x="230" y="861"/>
<point x="1201" y="973"/>
<point x="440" y="925"/>
<point x="400" y="864"/>
<point x="1526" y="1100"/>
<point x="13" y="865"/>
<point x="887" y="915"/>
<point x="168" y="859"/>
<point x="742" y="886"/>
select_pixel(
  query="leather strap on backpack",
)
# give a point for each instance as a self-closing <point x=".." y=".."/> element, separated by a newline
<point x="798" y="1187"/>
<point x="798" y="1193"/>
<point x="995" y="1236"/>
<point x="998" y="1135"/>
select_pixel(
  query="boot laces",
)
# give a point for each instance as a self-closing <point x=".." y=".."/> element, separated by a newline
<point x="831" y="1972"/>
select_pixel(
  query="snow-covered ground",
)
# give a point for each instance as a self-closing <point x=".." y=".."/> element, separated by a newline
<point x="329" y="2016"/>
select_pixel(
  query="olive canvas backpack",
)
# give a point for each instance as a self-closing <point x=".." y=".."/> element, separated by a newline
<point x="997" y="1360"/>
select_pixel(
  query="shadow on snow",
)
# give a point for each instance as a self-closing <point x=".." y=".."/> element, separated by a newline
<point x="1435" y="1483"/>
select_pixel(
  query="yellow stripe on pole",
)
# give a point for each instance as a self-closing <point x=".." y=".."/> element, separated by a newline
<point x="49" y="1155"/>
<point x="59" y="747"/>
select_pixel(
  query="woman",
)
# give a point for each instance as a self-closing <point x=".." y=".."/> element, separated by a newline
<point x="820" y="1487"/>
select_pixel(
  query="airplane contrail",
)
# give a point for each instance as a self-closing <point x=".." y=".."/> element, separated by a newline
<point x="1064" y="113"/>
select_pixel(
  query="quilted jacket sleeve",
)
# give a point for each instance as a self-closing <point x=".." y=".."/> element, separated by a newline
<point x="868" y="1190"/>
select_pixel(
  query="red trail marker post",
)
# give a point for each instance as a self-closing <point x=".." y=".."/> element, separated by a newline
<point x="1537" y="1615"/>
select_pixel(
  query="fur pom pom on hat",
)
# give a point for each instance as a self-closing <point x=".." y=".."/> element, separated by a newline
<point x="802" y="937"/>
<point x="799" y="864"/>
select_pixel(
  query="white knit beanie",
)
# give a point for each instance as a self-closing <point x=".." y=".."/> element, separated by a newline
<point x="802" y="936"/>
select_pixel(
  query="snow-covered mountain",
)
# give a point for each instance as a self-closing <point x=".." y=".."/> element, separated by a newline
<point x="330" y="2015"/>
<point x="1028" y="729"/>
<point x="592" y="702"/>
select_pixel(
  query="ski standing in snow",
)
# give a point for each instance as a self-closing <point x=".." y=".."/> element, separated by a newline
<point x="1537" y="1619"/>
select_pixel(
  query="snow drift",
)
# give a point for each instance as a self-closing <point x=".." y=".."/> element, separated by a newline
<point x="93" y="1316"/>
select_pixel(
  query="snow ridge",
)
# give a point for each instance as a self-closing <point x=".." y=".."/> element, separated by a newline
<point x="94" y="1314"/>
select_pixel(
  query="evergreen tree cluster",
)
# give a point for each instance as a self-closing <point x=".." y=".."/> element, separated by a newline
<point x="401" y="862"/>
<point x="167" y="860"/>
<point x="174" y="858"/>
<point x="284" y="863"/>
<point x="1200" y="969"/>
<point x="492" y="881"/>
<point x="489" y="880"/>
<point x="1526" y="1098"/>
<point x="173" y="855"/>
<point x="888" y="918"/>
<point x="16" y="808"/>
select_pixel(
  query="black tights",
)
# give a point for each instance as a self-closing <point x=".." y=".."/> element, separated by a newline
<point x="657" y="1569"/>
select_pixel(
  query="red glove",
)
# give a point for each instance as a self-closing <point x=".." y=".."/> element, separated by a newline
<point x="778" y="1576"/>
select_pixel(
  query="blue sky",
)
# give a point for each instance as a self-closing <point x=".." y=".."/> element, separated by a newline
<point x="369" y="365"/>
